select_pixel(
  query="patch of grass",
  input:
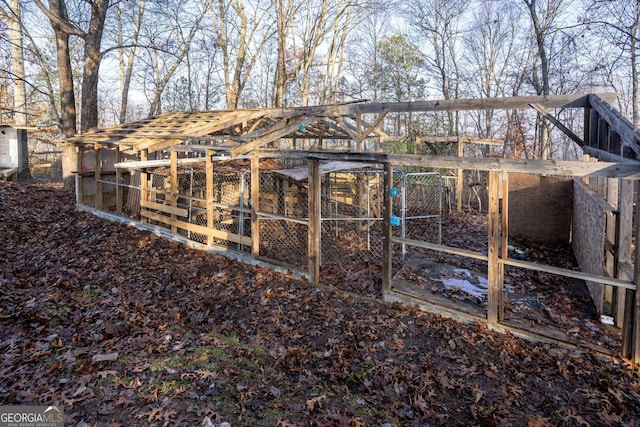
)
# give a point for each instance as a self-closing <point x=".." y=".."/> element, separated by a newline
<point x="174" y="383"/>
<point x="171" y="362"/>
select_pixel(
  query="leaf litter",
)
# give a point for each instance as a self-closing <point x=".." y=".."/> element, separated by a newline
<point x="124" y="328"/>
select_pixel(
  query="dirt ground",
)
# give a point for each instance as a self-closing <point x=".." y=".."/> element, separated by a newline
<point x="122" y="328"/>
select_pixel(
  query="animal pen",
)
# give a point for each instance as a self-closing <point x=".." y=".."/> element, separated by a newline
<point x="304" y="189"/>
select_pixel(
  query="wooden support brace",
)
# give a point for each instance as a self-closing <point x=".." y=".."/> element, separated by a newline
<point x="119" y="192"/>
<point x="547" y="115"/>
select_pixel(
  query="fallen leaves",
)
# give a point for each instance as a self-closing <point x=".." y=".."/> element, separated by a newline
<point x="125" y="328"/>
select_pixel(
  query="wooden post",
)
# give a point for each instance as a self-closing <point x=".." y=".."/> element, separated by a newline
<point x="209" y="192"/>
<point x="119" y="192"/>
<point x="255" y="206"/>
<point x="98" y="176"/>
<point x="79" y="186"/>
<point x="144" y="182"/>
<point x="624" y="270"/>
<point x="504" y="236"/>
<point x="459" y="180"/>
<point x="314" y="220"/>
<point x="495" y="296"/>
<point x="636" y="279"/>
<point x="174" y="189"/>
<point x="387" y="271"/>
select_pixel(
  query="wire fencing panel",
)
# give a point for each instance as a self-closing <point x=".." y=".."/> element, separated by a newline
<point x="351" y="216"/>
<point x="283" y="219"/>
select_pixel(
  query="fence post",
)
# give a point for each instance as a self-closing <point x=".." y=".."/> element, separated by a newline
<point x="624" y="267"/>
<point x="98" y="176"/>
<point x="79" y="187"/>
<point x="144" y="182"/>
<point x="174" y="188"/>
<point x="314" y="220"/>
<point x="386" y="229"/>
<point x="494" y="303"/>
<point x="119" y="192"/>
<point x="255" y="206"/>
<point x="209" y="192"/>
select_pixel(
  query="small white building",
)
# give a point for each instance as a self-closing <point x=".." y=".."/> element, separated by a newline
<point x="13" y="159"/>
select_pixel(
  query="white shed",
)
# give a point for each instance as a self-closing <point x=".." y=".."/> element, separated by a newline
<point x="12" y="158"/>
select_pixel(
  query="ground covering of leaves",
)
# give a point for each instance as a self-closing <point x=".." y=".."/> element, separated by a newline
<point x="124" y="328"/>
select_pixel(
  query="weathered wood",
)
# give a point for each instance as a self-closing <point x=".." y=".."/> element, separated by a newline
<point x="79" y="186"/>
<point x="576" y="274"/>
<point x="459" y="179"/>
<point x="463" y="139"/>
<point x="98" y="178"/>
<point x="441" y="248"/>
<point x="547" y="115"/>
<point x="174" y="187"/>
<point x="635" y="341"/>
<point x="172" y="210"/>
<point x="209" y="191"/>
<point x="629" y="170"/>
<point x="504" y="235"/>
<point x="119" y="192"/>
<point x="255" y="206"/>
<point x="624" y="259"/>
<point x="628" y="137"/>
<point x="200" y="229"/>
<point x="387" y="249"/>
<point x="314" y="229"/>
<point x="144" y="182"/>
<point x="495" y="295"/>
<point x="291" y="127"/>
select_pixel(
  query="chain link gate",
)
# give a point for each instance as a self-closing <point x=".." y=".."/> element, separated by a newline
<point x="421" y="208"/>
<point x="351" y="217"/>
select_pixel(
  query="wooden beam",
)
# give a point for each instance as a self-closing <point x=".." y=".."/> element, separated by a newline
<point x="119" y="192"/>
<point x="314" y="230"/>
<point x="174" y="187"/>
<point x="459" y="179"/>
<point x="209" y="189"/>
<point x="636" y="299"/>
<point x="79" y="187"/>
<point x="624" y="259"/>
<point x="387" y="248"/>
<point x="628" y="137"/>
<point x="547" y="115"/>
<point x="98" y="177"/>
<point x="144" y="182"/>
<point x="255" y="206"/>
<point x="630" y="170"/>
<point x="495" y="296"/>
<point x="504" y="235"/>
<point x="172" y="210"/>
<point x="273" y="136"/>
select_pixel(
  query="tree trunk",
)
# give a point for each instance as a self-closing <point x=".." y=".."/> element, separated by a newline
<point x="92" y="58"/>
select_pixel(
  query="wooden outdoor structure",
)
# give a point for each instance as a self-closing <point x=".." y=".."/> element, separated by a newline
<point x="244" y="134"/>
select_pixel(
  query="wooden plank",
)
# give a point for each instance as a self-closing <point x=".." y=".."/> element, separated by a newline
<point x="314" y="229"/>
<point x="174" y="211"/>
<point x="119" y="192"/>
<point x="495" y="296"/>
<point x="628" y="169"/>
<point x="209" y="191"/>
<point x="459" y="179"/>
<point x="373" y="125"/>
<point x="628" y="137"/>
<point x="173" y="197"/>
<point x="144" y="182"/>
<point x="255" y="206"/>
<point x="387" y="249"/>
<point x="576" y="274"/>
<point x="504" y="235"/>
<point x="624" y="255"/>
<point x="441" y="248"/>
<point x="79" y="187"/>
<point x="291" y="127"/>
<point x="547" y="115"/>
<point x="200" y="229"/>
<point x="98" y="170"/>
<point x="635" y="340"/>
